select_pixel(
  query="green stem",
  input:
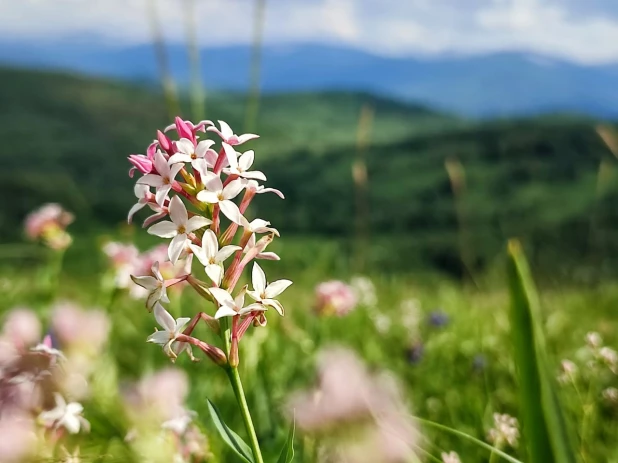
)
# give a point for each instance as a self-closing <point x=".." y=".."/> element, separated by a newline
<point x="478" y="442"/>
<point x="232" y="373"/>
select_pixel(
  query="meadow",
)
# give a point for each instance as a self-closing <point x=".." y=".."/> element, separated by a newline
<point x="444" y="324"/>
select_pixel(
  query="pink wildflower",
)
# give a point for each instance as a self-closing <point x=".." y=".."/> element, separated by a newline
<point x="334" y="297"/>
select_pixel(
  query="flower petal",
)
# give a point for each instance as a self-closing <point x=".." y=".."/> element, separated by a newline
<point x="199" y="253"/>
<point x="151" y="180"/>
<point x="196" y="222"/>
<point x="203" y="147"/>
<point x="214" y="272"/>
<point x="226" y="130"/>
<point x="253" y="308"/>
<point x="231" y="211"/>
<point x="255" y="174"/>
<point x="222" y="296"/>
<point x="210" y="245"/>
<point x="136" y="207"/>
<point x="177" y="245"/>
<point x="246" y="137"/>
<point x="180" y="324"/>
<point x="185" y="146"/>
<point x="71" y="423"/>
<point x="161" y="164"/>
<point x="274" y="304"/>
<point x="163" y="317"/>
<point x="179" y="157"/>
<point x="146" y="282"/>
<point x="159" y="337"/>
<point x="233" y="188"/>
<point x="231" y="155"/>
<point x="225" y="252"/>
<point x="178" y="211"/>
<point x="165" y="229"/>
<point x="161" y="194"/>
<point x="246" y="160"/>
<point x="276" y="288"/>
<point x="258" y="278"/>
<point x="225" y="311"/>
<point x="209" y="197"/>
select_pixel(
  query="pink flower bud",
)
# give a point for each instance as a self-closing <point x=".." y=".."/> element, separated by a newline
<point x="141" y="163"/>
<point x="164" y="142"/>
<point x="183" y="129"/>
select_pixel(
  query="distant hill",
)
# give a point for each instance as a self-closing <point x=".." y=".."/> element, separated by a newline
<point x="499" y="84"/>
<point x="66" y="138"/>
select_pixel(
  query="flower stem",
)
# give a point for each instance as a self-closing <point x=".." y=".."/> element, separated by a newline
<point x="232" y="373"/>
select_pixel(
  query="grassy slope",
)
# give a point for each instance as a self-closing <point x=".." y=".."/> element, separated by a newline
<point x="65" y="138"/>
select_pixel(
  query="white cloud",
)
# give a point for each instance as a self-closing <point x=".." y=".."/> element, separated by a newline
<point x="390" y="27"/>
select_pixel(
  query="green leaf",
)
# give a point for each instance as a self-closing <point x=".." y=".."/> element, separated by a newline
<point x="287" y="453"/>
<point x="233" y="440"/>
<point x="544" y="427"/>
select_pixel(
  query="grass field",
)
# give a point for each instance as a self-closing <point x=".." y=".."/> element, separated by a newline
<point x="435" y="329"/>
<point x="456" y="372"/>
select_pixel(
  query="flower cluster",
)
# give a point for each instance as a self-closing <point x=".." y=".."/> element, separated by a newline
<point x="48" y="224"/>
<point x="34" y="413"/>
<point x="601" y="355"/>
<point x="156" y="408"/>
<point x="192" y="189"/>
<point x="505" y="431"/>
<point x="129" y="266"/>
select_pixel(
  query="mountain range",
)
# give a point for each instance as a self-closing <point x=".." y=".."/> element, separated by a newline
<point x="494" y="85"/>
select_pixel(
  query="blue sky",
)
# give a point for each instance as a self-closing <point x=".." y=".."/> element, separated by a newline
<point x="585" y="31"/>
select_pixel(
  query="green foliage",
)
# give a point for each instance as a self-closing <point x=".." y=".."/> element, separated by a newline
<point x="287" y="452"/>
<point x="233" y="440"/>
<point x="544" y="425"/>
<point x="65" y="138"/>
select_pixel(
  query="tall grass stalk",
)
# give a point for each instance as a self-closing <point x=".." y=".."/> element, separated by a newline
<point x="457" y="177"/>
<point x="198" y="94"/>
<point x="361" y="188"/>
<point x="167" y="81"/>
<point x="256" y="67"/>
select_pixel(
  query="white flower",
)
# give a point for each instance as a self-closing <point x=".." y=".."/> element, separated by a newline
<point x="201" y="156"/>
<point x="65" y="415"/>
<point x="178" y="228"/>
<point x="211" y="256"/>
<point x="240" y="166"/>
<point x="263" y="292"/>
<point x="258" y="226"/>
<point x="215" y="193"/>
<point x="179" y="423"/>
<point x="230" y="307"/>
<point x="594" y="340"/>
<point x="227" y="134"/>
<point x="171" y="330"/>
<point x="141" y="192"/>
<point x="506" y="429"/>
<point x="259" y="189"/>
<point x="450" y="457"/>
<point x="163" y="180"/>
<point x="155" y="285"/>
<point x="267" y="255"/>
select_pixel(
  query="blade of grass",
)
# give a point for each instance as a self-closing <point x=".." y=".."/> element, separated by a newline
<point x="544" y="428"/>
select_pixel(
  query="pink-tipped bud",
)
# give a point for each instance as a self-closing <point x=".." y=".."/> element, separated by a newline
<point x="152" y="149"/>
<point x="141" y="163"/>
<point x="164" y="142"/>
<point x="183" y="129"/>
